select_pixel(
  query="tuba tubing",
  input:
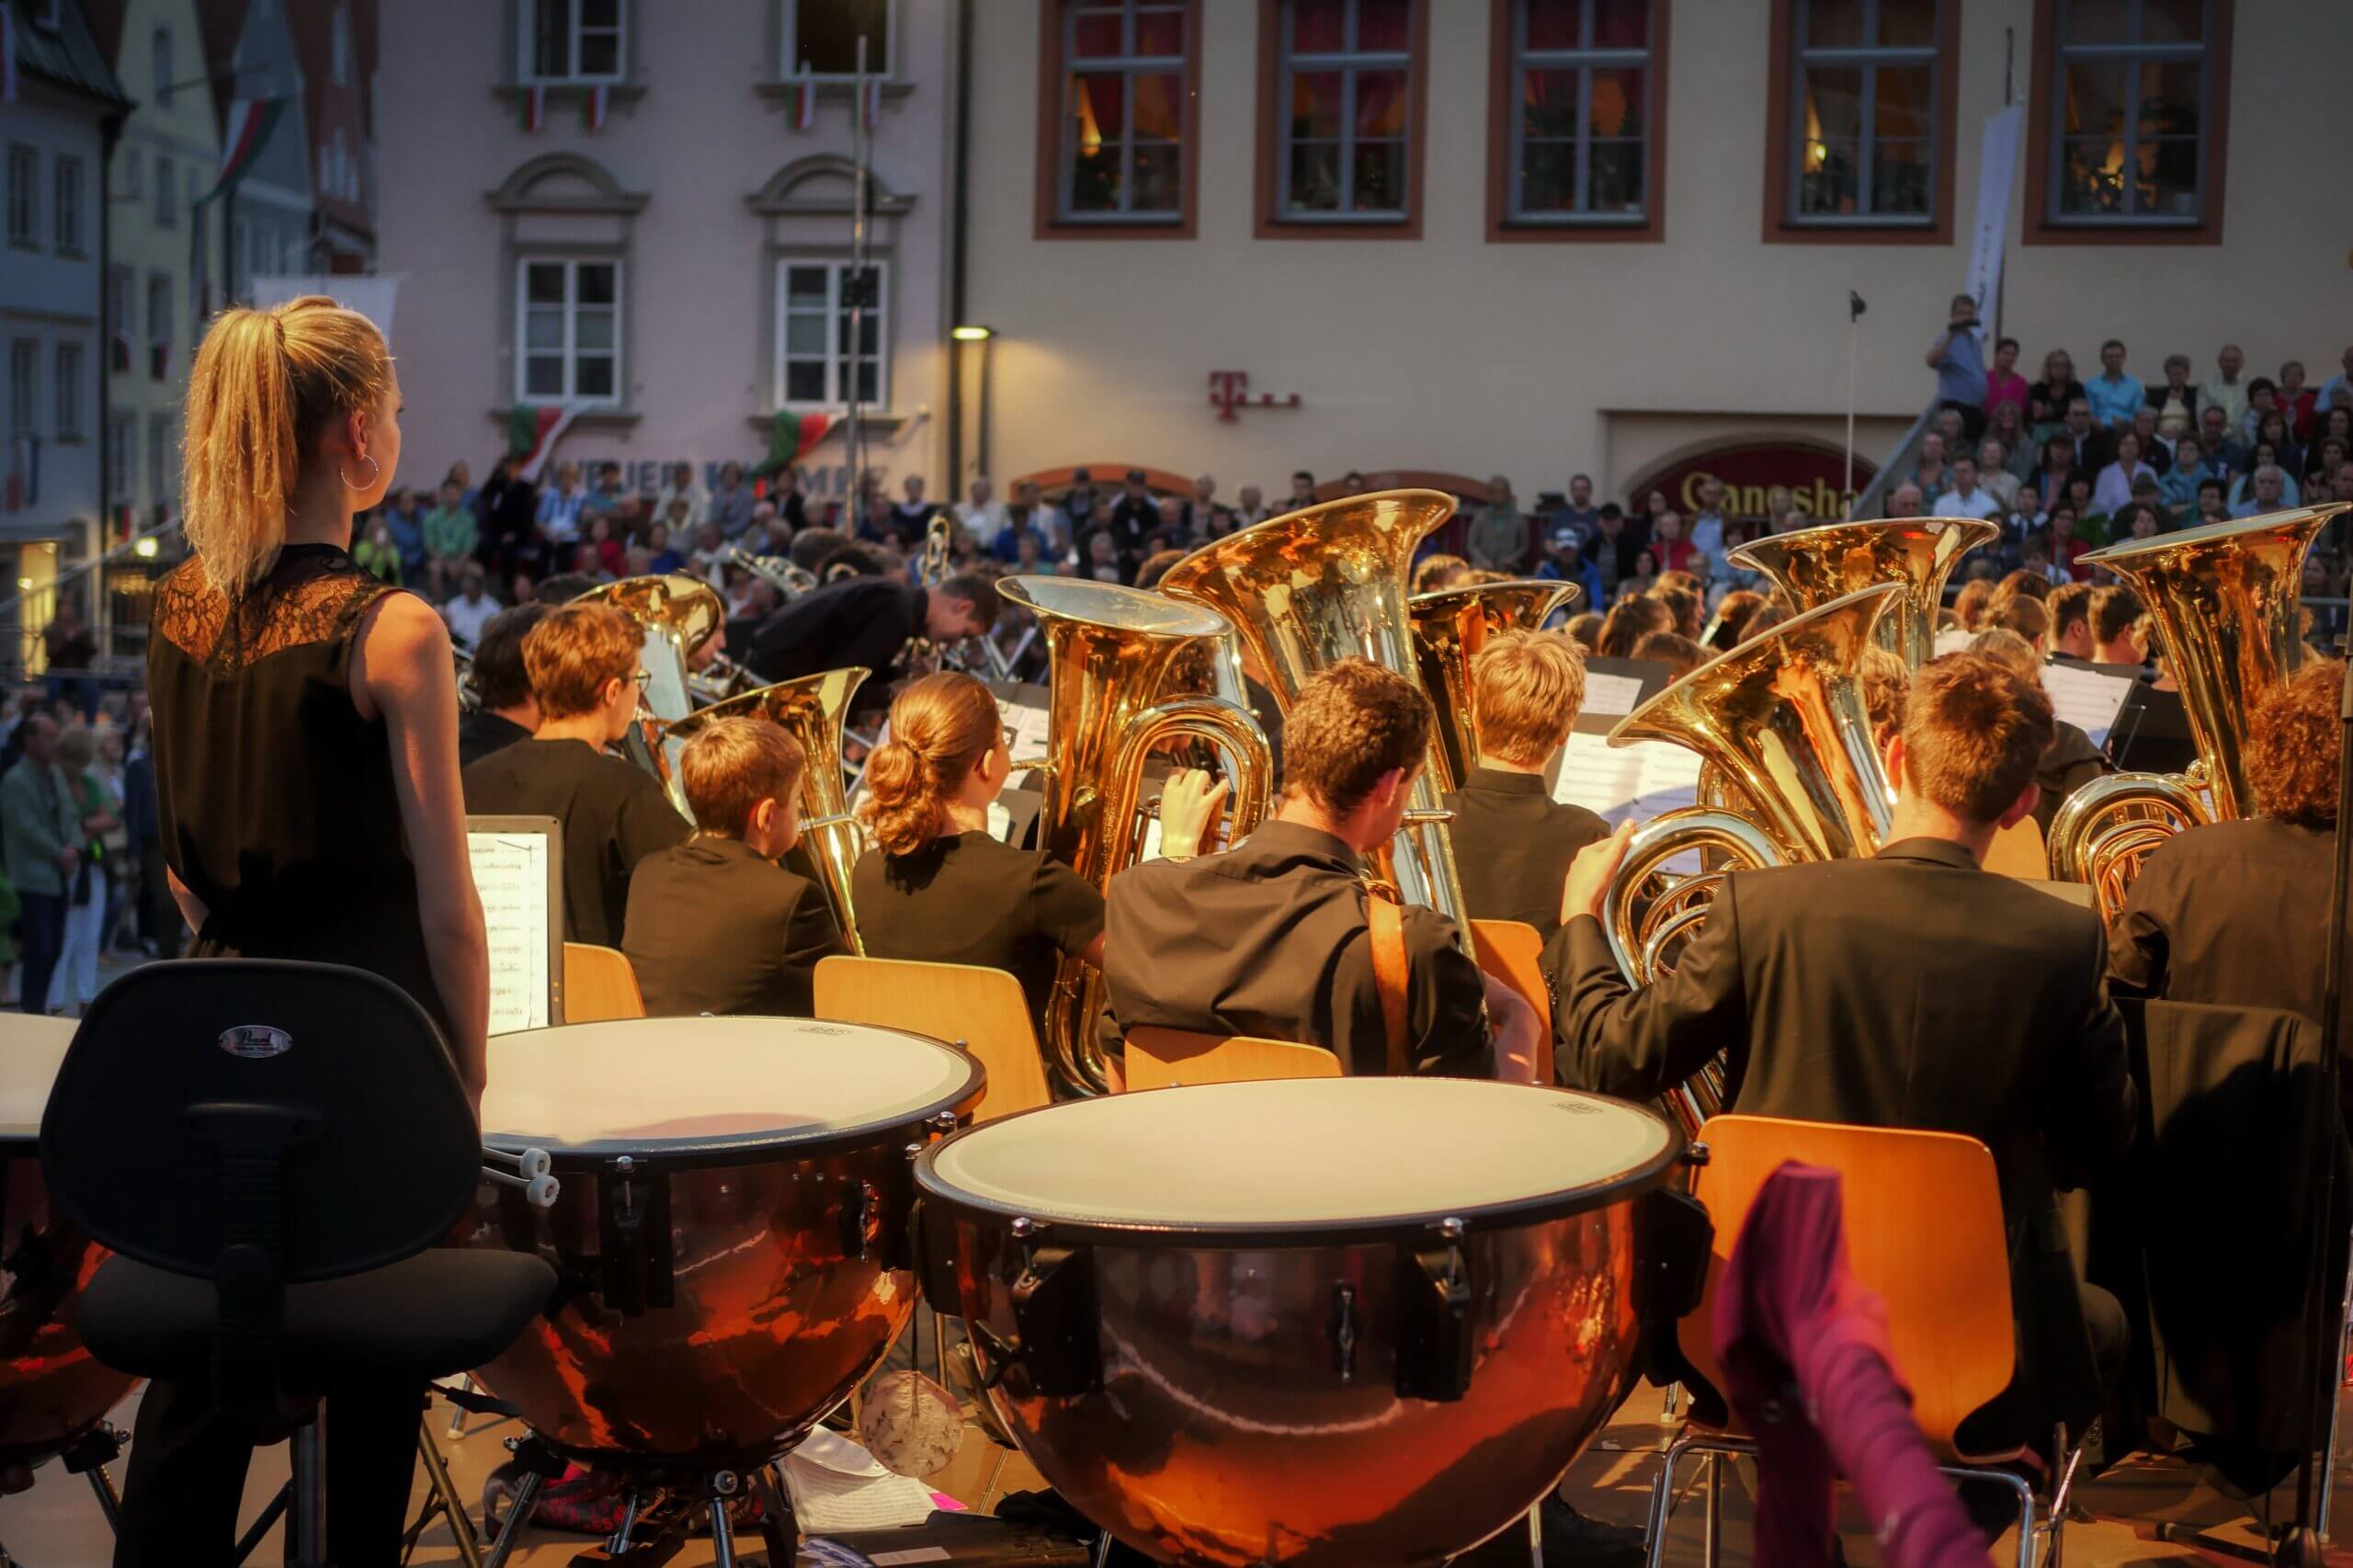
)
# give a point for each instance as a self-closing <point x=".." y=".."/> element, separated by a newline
<point x="1450" y="625"/>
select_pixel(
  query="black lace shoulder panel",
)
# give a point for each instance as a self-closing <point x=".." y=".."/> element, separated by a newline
<point x="313" y="594"/>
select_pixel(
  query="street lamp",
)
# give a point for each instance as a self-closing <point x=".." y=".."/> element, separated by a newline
<point x="985" y="336"/>
<point x="973" y="334"/>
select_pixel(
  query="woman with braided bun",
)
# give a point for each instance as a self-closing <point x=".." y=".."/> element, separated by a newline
<point x="937" y="886"/>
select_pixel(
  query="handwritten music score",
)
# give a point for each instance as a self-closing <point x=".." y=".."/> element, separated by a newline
<point x="1637" y="781"/>
<point x="2087" y="698"/>
<point x="511" y="872"/>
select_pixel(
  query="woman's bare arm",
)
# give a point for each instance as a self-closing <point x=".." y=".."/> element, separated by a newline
<point x="403" y="669"/>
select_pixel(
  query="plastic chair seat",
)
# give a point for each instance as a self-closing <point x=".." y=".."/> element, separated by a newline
<point x="440" y="1312"/>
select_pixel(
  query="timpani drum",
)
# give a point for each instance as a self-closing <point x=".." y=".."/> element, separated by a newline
<point x="1354" y="1322"/>
<point x="53" y="1391"/>
<point x="730" y="1235"/>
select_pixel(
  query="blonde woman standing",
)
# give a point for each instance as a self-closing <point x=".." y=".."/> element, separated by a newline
<point x="306" y="760"/>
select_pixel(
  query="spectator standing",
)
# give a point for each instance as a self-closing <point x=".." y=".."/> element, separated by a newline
<point x="1967" y="499"/>
<point x="730" y="505"/>
<point x="452" y="538"/>
<point x="2113" y="395"/>
<point x="509" y="509"/>
<point x="71" y="648"/>
<point x="1707" y="523"/>
<point x="1134" y="518"/>
<point x="74" y="983"/>
<point x="2005" y="388"/>
<point x="2047" y="399"/>
<point x="1497" y="540"/>
<point x="40" y="842"/>
<point x="1958" y="357"/>
<point x="981" y="515"/>
<point x="471" y="610"/>
<point x="2224" y="390"/>
<point x="2175" y="402"/>
<point x="2113" y="488"/>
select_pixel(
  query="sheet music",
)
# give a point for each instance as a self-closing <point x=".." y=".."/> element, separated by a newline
<point x="1610" y="694"/>
<point x="1952" y="640"/>
<point x="2087" y="698"/>
<point x="1638" y="781"/>
<point x="511" y="875"/>
<point x="1028" y="726"/>
<point x="1000" y="821"/>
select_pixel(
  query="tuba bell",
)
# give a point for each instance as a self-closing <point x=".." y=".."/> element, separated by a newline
<point x="1450" y="628"/>
<point x="1327" y="583"/>
<point x="812" y="711"/>
<point x="1813" y="566"/>
<point x="676" y="614"/>
<point x="1125" y="673"/>
<point x="2224" y="602"/>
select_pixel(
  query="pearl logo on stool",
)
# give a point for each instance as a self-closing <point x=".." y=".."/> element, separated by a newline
<point x="256" y="1042"/>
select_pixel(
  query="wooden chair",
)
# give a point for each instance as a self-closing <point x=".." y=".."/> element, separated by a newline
<point x="981" y="1011"/>
<point x="1513" y="952"/>
<point x="2017" y="851"/>
<point x="1924" y="1230"/>
<point x="598" y="984"/>
<point x="1162" y="1059"/>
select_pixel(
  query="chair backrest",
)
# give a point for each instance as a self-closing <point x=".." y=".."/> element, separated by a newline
<point x="1513" y="952"/>
<point x="598" y="984"/>
<point x="981" y="1010"/>
<point x="183" y="1074"/>
<point x="1924" y="1230"/>
<point x="1162" y="1059"/>
<point x="2017" y="851"/>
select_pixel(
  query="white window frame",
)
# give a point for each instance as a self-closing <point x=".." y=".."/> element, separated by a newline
<point x="526" y="52"/>
<point x="1868" y="60"/>
<point x="788" y="59"/>
<point x="1349" y="61"/>
<point x="2131" y="56"/>
<point x="1585" y="59"/>
<point x="65" y="205"/>
<point x="1128" y="65"/>
<point x="24" y="194"/>
<point x="167" y="193"/>
<point x="571" y="265"/>
<point x="836" y="387"/>
<point x="73" y="383"/>
<point x="23" y="386"/>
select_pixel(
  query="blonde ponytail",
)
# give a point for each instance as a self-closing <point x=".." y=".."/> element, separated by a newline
<point x="940" y="728"/>
<point x="263" y="386"/>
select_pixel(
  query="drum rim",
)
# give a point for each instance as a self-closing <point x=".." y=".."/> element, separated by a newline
<point x="731" y="1149"/>
<point x="1510" y="1214"/>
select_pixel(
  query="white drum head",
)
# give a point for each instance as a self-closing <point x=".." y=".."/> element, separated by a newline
<point x="1295" y="1154"/>
<point x="655" y="1086"/>
<point x="31" y="1048"/>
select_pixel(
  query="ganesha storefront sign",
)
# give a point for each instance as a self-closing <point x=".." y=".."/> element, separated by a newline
<point x="1814" y="475"/>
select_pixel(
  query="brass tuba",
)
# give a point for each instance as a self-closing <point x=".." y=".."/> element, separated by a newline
<point x="2225" y="601"/>
<point x="676" y="614"/>
<point x="1782" y="718"/>
<point x="810" y="710"/>
<point x="1327" y="583"/>
<point x="1813" y="566"/>
<point x="1450" y="628"/>
<point x="1124" y="674"/>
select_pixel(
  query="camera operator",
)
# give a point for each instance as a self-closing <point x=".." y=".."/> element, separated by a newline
<point x="1958" y="358"/>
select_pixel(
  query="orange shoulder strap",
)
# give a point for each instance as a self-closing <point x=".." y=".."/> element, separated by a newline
<point x="1385" y="920"/>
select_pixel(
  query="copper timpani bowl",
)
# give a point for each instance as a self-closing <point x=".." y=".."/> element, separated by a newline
<point x="53" y="1391"/>
<point x="730" y="1235"/>
<point x="1357" y="1321"/>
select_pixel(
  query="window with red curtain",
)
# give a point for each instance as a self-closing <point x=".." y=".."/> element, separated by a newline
<point x="1581" y="80"/>
<point x="1343" y="97"/>
<point x="1120" y="150"/>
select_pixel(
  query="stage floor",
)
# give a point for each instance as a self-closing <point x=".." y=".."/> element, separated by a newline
<point x="57" y="1525"/>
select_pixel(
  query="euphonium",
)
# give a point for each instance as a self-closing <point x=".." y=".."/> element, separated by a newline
<point x="1813" y="566"/>
<point x="1327" y="583"/>
<point x="790" y="579"/>
<point x="676" y="614"/>
<point x="1123" y="675"/>
<point x="1450" y="628"/>
<point x="812" y="710"/>
<point x="2224" y="602"/>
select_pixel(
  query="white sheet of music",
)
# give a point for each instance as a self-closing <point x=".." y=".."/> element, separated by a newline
<point x="1952" y="640"/>
<point x="1639" y="780"/>
<point x="2087" y="698"/>
<point x="1029" y="725"/>
<point x="511" y="878"/>
<point x="1607" y="693"/>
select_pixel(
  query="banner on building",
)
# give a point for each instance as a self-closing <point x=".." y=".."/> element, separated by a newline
<point x="250" y="122"/>
<point x="1814" y="476"/>
<point x="373" y="295"/>
<point x="1997" y="164"/>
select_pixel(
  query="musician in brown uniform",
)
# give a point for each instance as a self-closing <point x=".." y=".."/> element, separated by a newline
<point x="715" y="925"/>
<point x="1908" y="990"/>
<point x="1513" y="842"/>
<point x="1271" y="937"/>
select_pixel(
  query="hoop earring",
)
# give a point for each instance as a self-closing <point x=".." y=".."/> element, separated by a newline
<point x="372" y="472"/>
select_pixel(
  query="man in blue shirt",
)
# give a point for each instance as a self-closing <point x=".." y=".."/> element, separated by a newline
<point x="1579" y="513"/>
<point x="1958" y="360"/>
<point x="2114" y="396"/>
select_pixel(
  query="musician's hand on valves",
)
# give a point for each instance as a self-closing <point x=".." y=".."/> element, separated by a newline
<point x="1518" y="1032"/>
<point x="1189" y="808"/>
<point x="1590" y="873"/>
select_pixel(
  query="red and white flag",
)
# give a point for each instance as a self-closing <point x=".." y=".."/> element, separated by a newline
<point x="549" y="422"/>
<point x="804" y="103"/>
<point x="534" y="106"/>
<point x="601" y="100"/>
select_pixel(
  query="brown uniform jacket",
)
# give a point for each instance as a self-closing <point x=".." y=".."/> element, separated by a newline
<point x="1513" y="844"/>
<point x="1911" y="990"/>
<point x="1268" y="938"/>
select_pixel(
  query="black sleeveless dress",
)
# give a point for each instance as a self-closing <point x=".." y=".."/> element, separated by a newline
<point x="277" y="798"/>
